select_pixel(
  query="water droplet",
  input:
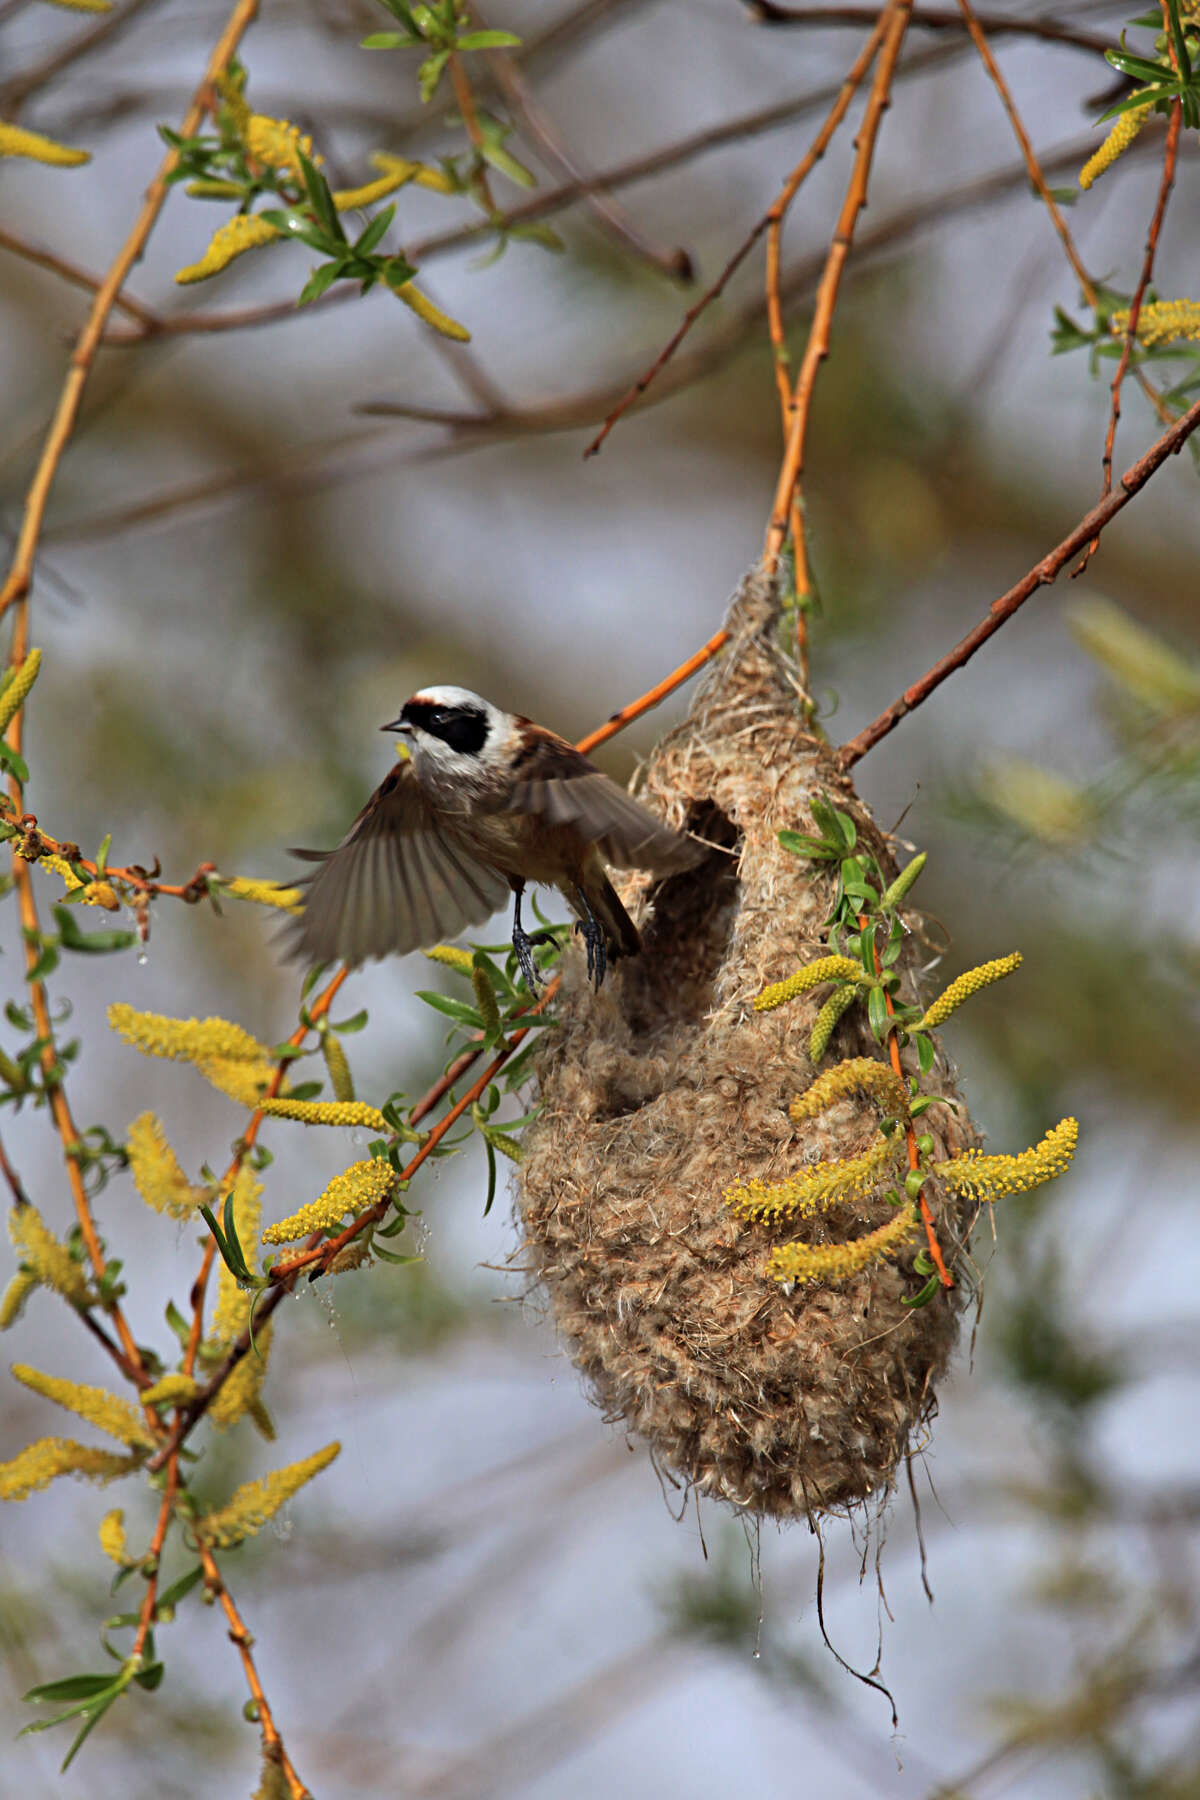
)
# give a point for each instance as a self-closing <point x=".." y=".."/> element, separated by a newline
<point x="143" y="958"/>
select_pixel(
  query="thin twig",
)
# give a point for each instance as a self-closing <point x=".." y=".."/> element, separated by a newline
<point x="20" y="88"/>
<point x="1170" y="156"/>
<point x="16" y="586"/>
<point x="612" y="219"/>
<point x="771" y="218"/>
<point x="71" y="272"/>
<point x="1041" y="575"/>
<point x="239" y="1635"/>
<point x="817" y="349"/>
<point x="931" y="18"/>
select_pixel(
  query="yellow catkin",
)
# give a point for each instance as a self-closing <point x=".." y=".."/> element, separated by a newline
<point x="826" y="968"/>
<point x="15" y="1295"/>
<point x="156" y="1172"/>
<point x="507" y="1147"/>
<point x="969" y="984"/>
<point x="337" y="1066"/>
<point x="1125" y="129"/>
<point x="485" y="999"/>
<point x="825" y="1185"/>
<point x="432" y="315"/>
<point x="277" y="144"/>
<point x="41" y="1463"/>
<point x="240" y="1392"/>
<point x="837" y="1262"/>
<point x="257" y="1501"/>
<point x="1161" y="320"/>
<point x="245" y="1082"/>
<point x="363" y="1184"/>
<point x="857" y="1073"/>
<point x="88" y="6"/>
<point x="106" y="1411"/>
<point x="327" y="1112"/>
<point x="245" y="231"/>
<point x="1155" y="674"/>
<point x="230" y="89"/>
<point x="462" y="960"/>
<point x="265" y="893"/>
<point x="16" y="689"/>
<point x="112" y="1537"/>
<point x="825" y="1023"/>
<point x="186" y="1040"/>
<point x="232" y="1311"/>
<point x="426" y="177"/>
<point x="16" y="141"/>
<point x="987" y="1177"/>
<point x="49" y="1262"/>
<point x="172" y="1390"/>
<point x="58" y="865"/>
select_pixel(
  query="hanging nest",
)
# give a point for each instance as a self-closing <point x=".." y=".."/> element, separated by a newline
<point x="666" y="1087"/>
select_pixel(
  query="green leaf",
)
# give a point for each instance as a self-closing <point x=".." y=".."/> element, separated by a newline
<point x="453" y="1009"/>
<point x="350" y="1025"/>
<point x="179" y="1590"/>
<point x="151" y="1676"/>
<point x="319" y="282"/>
<point x="388" y="40"/>
<point x="925" y="1051"/>
<point x="364" y="245"/>
<point x="430" y="73"/>
<point x="488" y="40"/>
<point x="297" y="225"/>
<point x="800" y="844"/>
<point x="491" y="1177"/>
<point x="95" y="942"/>
<point x="877" y="1013"/>
<point x="322" y="200"/>
<point x="507" y="165"/>
<point x="74" y="1687"/>
<point x="391" y="1256"/>
<point x="178" y="1323"/>
<point x="925" y="1296"/>
<point x="13" y="763"/>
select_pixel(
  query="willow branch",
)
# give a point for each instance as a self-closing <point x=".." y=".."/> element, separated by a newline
<point x="817" y="349"/>
<point x="1041" y="575"/>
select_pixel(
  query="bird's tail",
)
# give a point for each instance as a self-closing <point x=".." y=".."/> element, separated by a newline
<point x="619" y="929"/>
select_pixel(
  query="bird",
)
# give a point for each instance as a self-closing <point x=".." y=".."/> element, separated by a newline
<point x="485" y="802"/>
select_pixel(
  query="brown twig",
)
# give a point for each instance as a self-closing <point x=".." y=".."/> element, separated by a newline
<point x="19" y="88"/>
<point x="975" y="27"/>
<point x="613" y="219"/>
<point x="153" y="1557"/>
<point x="1041" y="575"/>
<point x="331" y="460"/>
<point x="77" y="277"/>
<point x="16" y="587"/>
<point x="772" y="217"/>
<point x="466" y="107"/>
<point x="239" y="1635"/>
<point x="654" y="695"/>
<point x="931" y="18"/>
<point x="788" y="490"/>
<point x="1170" y="156"/>
<point x="541" y="206"/>
<point x="15" y="1188"/>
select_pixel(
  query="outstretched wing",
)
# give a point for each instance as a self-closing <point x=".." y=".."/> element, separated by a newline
<point x="562" y="787"/>
<point x="398" y="881"/>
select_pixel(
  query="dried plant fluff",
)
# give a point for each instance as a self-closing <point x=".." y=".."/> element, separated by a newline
<point x="664" y="1088"/>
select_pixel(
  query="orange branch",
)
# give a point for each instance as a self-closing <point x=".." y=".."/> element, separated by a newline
<point x="895" y="20"/>
<point x="239" y="1635"/>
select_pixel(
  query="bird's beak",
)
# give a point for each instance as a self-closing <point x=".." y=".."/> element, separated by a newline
<point x="400" y="725"/>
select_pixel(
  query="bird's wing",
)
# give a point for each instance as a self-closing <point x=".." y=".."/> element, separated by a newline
<point x="555" y="783"/>
<point x="398" y="881"/>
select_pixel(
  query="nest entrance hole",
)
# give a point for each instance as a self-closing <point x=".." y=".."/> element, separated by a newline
<point x="686" y="936"/>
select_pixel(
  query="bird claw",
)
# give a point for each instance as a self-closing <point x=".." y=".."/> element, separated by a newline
<point x="523" y="945"/>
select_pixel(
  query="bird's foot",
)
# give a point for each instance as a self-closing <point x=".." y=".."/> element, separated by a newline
<point x="597" y="948"/>
<point x="523" y="945"/>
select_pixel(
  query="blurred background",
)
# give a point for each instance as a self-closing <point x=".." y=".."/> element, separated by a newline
<point x="492" y="1592"/>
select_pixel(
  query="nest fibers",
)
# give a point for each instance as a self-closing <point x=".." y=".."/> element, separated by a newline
<point x="665" y="1087"/>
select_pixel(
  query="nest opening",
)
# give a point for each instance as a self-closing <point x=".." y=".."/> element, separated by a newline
<point x="685" y="937"/>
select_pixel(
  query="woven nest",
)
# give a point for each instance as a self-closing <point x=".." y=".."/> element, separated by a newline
<point x="665" y="1087"/>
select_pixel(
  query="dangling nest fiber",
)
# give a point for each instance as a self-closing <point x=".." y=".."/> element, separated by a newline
<point x="664" y="1088"/>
